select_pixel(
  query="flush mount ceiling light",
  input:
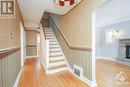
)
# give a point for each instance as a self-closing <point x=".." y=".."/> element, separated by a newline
<point x="65" y="2"/>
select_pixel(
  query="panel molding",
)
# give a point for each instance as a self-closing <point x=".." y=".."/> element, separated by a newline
<point x="7" y="51"/>
<point x="84" y="79"/>
<point x="18" y="78"/>
<point x="106" y="58"/>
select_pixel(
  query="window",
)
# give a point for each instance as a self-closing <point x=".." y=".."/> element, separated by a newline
<point x="109" y="38"/>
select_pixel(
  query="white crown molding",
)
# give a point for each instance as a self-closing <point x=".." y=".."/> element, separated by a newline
<point x="113" y="22"/>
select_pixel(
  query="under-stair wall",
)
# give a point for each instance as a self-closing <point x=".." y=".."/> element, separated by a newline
<point x="78" y="56"/>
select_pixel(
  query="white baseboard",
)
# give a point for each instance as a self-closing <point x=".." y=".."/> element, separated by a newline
<point x="106" y="58"/>
<point x="85" y="80"/>
<point x="18" y="78"/>
<point x="30" y="57"/>
<point x="89" y="82"/>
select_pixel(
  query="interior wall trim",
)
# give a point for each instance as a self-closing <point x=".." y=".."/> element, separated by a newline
<point x="31" y="45"/>
<point x="87" y="48"/>
<point x="18" y="78"/>
<point x="31" y="57"/>
<point x="7" y="51"/>
<point x="106" y="58"/>
<point x="113" y="22"/>
<point x="84" y="79"/>
<point x="32" y="30"/>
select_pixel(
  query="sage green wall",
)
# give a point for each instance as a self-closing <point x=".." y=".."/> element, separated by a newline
<point x="9" y="68"/>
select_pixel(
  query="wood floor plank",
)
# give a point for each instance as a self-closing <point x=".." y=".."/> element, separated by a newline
<point x="34" y="76"/>
<point x="107" y="72"/>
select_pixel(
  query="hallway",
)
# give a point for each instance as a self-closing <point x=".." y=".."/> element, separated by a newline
<point x="34" y="76"/>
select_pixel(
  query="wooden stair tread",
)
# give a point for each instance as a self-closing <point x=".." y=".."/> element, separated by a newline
<point x="53" y="47"/>
<point x="48" y="32"/>
<point x="50" y="37"/>
<point x="52" y="51"/>
<point x="53" y="61"/>
<point x="56" y="67"/>
<point x="53" y="41"/>
<point x="53" y="44"/>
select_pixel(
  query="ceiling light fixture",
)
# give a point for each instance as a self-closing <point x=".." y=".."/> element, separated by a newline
<point x="65" y="2"/>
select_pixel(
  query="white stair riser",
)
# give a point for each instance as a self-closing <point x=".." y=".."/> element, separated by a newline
<point x="52" y="42"/>
<point x="55" y="53"/>
<point x="50" y="37"/>
<point x="56" y="58"/>
<point x="54" y="49"/>
<point x="54" y="46"/>
<point x="56" y="63"/>
<point x="49" y="34"/>
<point x="57" y="70"/>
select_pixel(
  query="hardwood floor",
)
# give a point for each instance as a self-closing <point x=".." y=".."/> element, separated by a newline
<point x="107" y="72"/>
<point x="34" y="76"/>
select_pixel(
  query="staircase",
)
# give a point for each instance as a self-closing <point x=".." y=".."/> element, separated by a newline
<point x="57" y="60"/>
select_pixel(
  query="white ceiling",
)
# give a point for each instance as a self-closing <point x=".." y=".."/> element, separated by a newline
<point x="112" y="12"/>
<point x="32" y="10"/>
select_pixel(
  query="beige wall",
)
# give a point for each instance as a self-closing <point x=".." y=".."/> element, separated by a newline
<point x="76" y="27"/>
<point x="10" y="64"/>
<point x="8" y="26"/>
<point x="31" y="42"/>
<point x="77" y="24"/>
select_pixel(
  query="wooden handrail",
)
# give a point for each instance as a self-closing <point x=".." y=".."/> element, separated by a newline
<point x="8" y="51"/>
<point x="72" y="47"/>
<point x="31" y="45"/>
